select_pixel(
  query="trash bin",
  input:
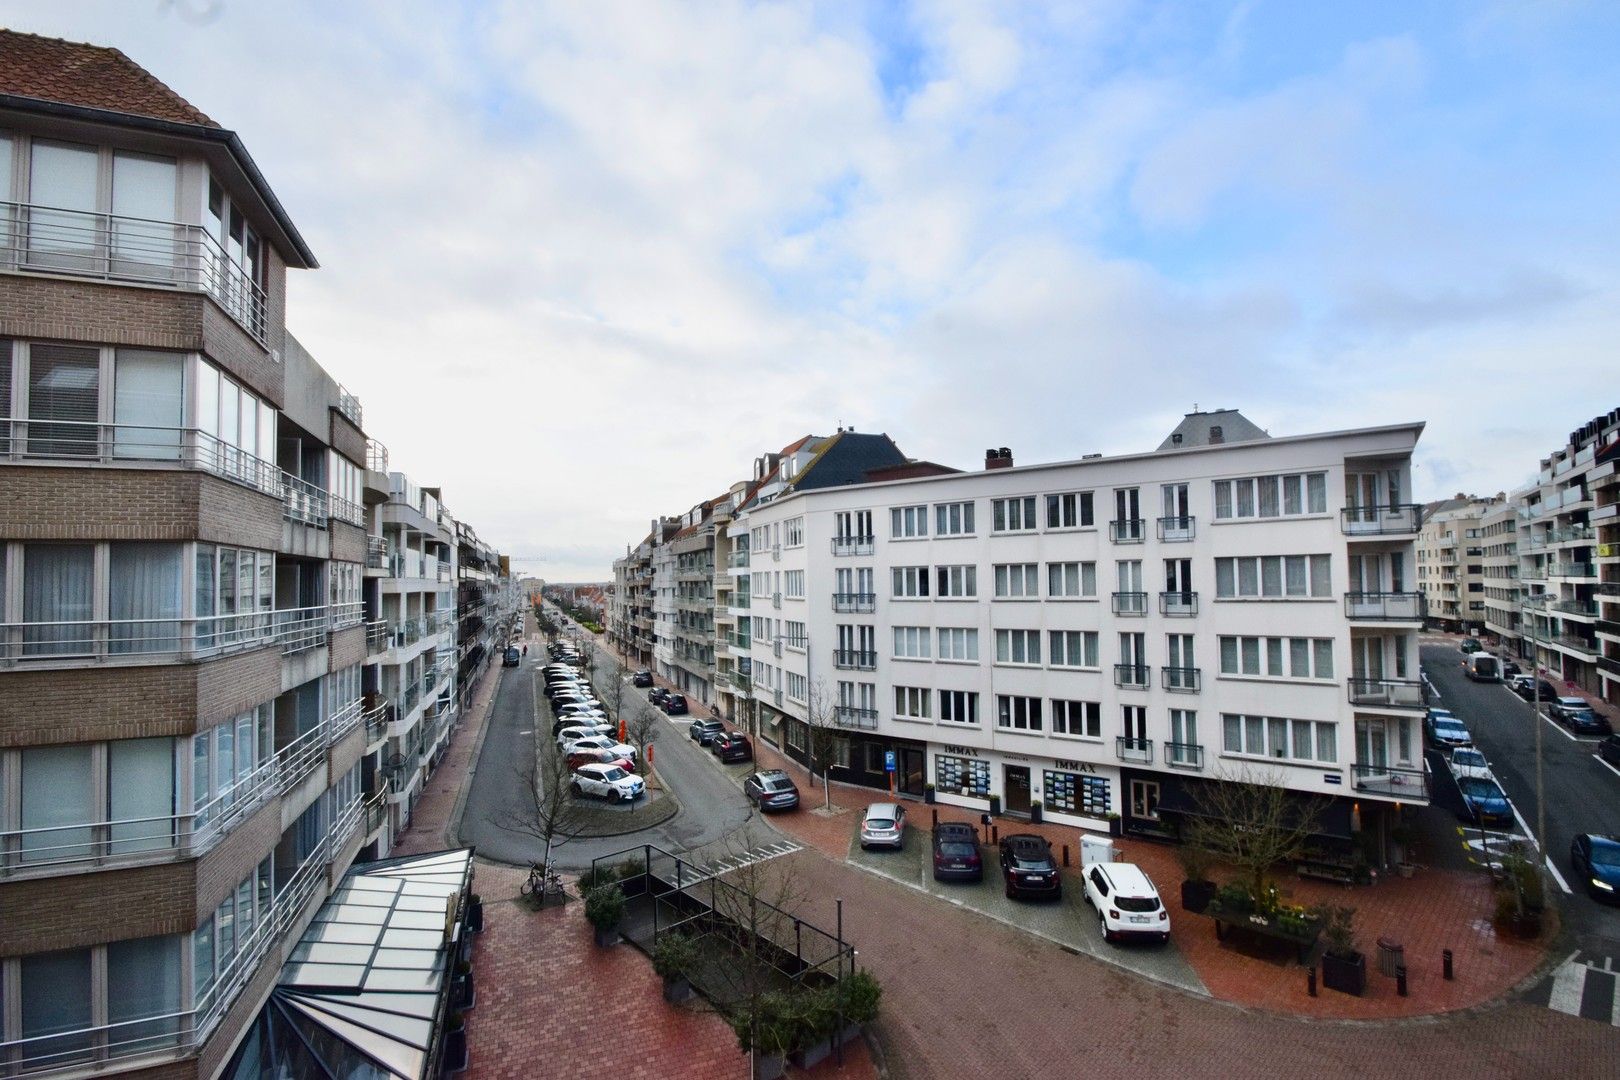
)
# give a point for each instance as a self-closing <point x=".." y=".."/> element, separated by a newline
<point x="1391" y="955"/>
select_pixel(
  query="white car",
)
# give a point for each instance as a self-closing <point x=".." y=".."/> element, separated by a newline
<point x="576" y="709"/>
<point x="1127" y="903"/>
<point x="608" y="781"/>
<point x="582" y="730"/>
<point x="602" y="742"/>
<point x="1467" y="763"/>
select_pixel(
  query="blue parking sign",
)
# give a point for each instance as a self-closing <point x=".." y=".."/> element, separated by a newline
<point x="888" y="761"/>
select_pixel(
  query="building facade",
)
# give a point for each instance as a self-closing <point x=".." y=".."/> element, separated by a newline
<point x="1451" y="564"/>
<point x="1499" y="538"/>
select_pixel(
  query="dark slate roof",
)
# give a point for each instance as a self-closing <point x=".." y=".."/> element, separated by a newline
<point x="1195" y="427"/>
<point x="845" y="460"/>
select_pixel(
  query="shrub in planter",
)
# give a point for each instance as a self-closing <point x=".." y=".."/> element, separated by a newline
<point x="1115" y="827"/>
<point x="673" y="956"/>
<point x="475" y="913"/>
<point x="1035" y="810"/>
<point x="928" y="793"/>
<point x="604" y="907"/>
<point x="1232" y="899"/>
<point x="861" y="996"/>
<point x="1343" y="968"/>
<point x="1197" y="890"/>
<point x="995" y="804"/>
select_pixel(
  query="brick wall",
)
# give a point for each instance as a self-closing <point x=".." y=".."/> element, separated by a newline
<point x="174" y="1070"/>
<point x="342" y="755"/>
<point x="348" y="543"/>
<point x="235" y="857"/>
<point x="348" y="648"/>
<point x="347" y="439"/>
<point x="88" y="909"/>
<point x="45" y="502"/>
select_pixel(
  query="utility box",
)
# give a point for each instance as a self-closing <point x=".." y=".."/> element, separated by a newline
<point x="1095" y="849"/>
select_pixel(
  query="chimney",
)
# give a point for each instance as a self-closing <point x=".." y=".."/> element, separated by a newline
<point x="998" y="459"/>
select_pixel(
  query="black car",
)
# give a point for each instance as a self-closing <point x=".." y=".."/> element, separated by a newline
<point x="1526" y="690"/>
<point x="674" y="704"/>
<point x="512" y="658"/>
<point x="704" y="732"/>
<point x="1596" y="861"/>
<point x="1510" y="669"/>
<point x="1027" y="866"/>
<point x="956" y="853"/>
<point x="642" y="679"/>
<point x="732" y="746"/>
<point x="772" y="789"/>
<point x="657" y="695"/>
<point x="1609" y="750"/>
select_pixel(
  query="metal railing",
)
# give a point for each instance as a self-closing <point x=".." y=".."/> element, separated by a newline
<point x="1393" y="520"/>
<point x="303" y="502"/>
<point x="351" y="513"/>
<point x="1137" y="750"/>
<point x="1399" y="693"/>
<point x="378" y="553"/>
<point x="23" y="439"/>
<point x="349" y="406"/>
<point x="855" y="603"/>
<point x="1585" y="646"/>
<point x="114" y="639"/>
<point x="344" y="719"/>
<point x="1384" y="606"/>
<point x="1576" y="607"/>
<point x="1180" y="755"/>
<point x="1182" y="680"/>
<point x="1137" y="676"/>
<point x="303" y="628"/>
<point x="1178" y="529"/>
<point x="376" y="456"/>
<point x="857" y="659"/>
<point x="376" y="717"/>
<point x="853" y="545"/>
<point x="850" y="716"/>
<point x="377" y="634"/>
<point x="347" y="614"/>
<point x="298" y="758"/>
<point x="1130" y="603"/>
<point x="738" y="558"/>
<point x="1127" y="530"/>
<point x="1571" y="569"/>
<point x="1178" y="604"/>
<point x="1404" y="783"/>
<point x="116" y="247"/>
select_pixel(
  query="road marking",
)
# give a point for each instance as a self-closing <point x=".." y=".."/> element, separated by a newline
<point x="1606" y="765"/>
<point x="1569" y="985"/>
<point x="726" y="864"/>
<point x="1558" y="729"/>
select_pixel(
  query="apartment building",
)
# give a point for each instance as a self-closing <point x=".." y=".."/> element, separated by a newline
<point x="1451" y="563"/>
<point x="1499" y="538"/>
<point x="691" y="666"/>
<point x="194" y="708"/>
<point x="483" y="619"/>
<point x="1101" y="635"/>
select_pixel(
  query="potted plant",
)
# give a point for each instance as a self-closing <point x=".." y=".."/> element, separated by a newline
<point x="1114" y="827"/>
<point x="672" y="957"/>
<point x="604" y="907"/>
<point x="1197" y="890"/>
<point x="455" y="1042"/>
<point x="928" y="793"/>
<point x="1035" y="812"/>
<point x="769" y="1031"/>
<point x="466" y="997"/>
<point x="475" y="913"/>
<point x="1343" y="968"/>
<point x="995" y="805"/>
<point x="1233" y="898"/>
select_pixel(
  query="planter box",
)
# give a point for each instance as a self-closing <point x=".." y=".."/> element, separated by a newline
<point x="1035" y="814"/>
<point x="1346" y="975"/>
<point x="475" y="916"/>
<point x="995" y="805"/>
<point x="928" y="796"/>
<point x="1115" y="827"/>
<point x="677" y="990"/>
<point x="455" y="1050"/>
<point x="605" y="938"/>
<point x="1196" y="895"/>
<point x="769" y="1066"/>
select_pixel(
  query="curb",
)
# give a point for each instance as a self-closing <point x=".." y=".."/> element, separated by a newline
<point x="452" y="826"/>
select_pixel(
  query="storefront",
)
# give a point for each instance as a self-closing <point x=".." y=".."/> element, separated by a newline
<point x="1071" y="792"/>
<point x="1348" y="836"/>
<point x="860" y="758"/>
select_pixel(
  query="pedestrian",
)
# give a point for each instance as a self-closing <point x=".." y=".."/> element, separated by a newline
<point x="525" y="648"/>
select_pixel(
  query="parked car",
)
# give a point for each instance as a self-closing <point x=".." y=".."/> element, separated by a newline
<point x="674" y="704"/>
<point x="575" y="732"/>
<point x="1027" y="866"/>
<point x="956" y="852"/>
<point x="1596" y="861"/>
<point x="1467" y="762"/>
<point x="598" y="757"/>
<point x="1127" y="904"/>
<point x="642" y="678"/>
<point x="603" y="742"/>
<point x="1527" y="689"/>
<point x="513" y="657"/>
<point x="772" y="789"/>
<point x="884" y="826"/>
<point x="657" y="695"/>
<point x="1510" y="668"/>
<point x="704" y="732"/>
<point x="1446" y="731"/>
<point x="1575" y="714"/>
<point x="1485" y="803"/>
<point x="732" y="746"/>
<point x="582" y="715"/>
<point x="572" y="720"/>
<point x="608" y="781"/>
<point x="1609" y="750"/>
<point x="1470" y="645"/>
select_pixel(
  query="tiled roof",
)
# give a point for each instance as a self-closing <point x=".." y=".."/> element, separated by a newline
<point x="92" y="76"/>
<point x="1199" y="428"/>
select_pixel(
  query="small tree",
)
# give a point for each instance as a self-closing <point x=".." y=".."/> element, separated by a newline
<point x="553" y="815"/>
<point x="821" y="718"/>
<point x="1253" y="823"/>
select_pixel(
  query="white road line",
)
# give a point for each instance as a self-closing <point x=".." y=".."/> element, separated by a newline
<point x="1616" y="772"/>
<point x="1569" y="986"/>
<point x="1558" y="729"/>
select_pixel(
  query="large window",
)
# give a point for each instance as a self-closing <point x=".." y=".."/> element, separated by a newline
<point x="93" y="799"/>
<point x="1274" y="577"/>
<point x="1079" y="718"/>
<point x="1277" y="737"/>
<point x="956" y="582"/>
<point x="145" y="601"/>
<point x="1284" y="495"/>
<point x="1018" y="646"/>
<point x="1018" y="713"/>
<point x="910" y="582"/>
<point x="1073" y="648"/>
<point x="908" y="522"/>
<point x="58" y="599"/>
<point x="1277" y="658"/>
<point x="64" y="400"/>
<point x="958" y="643"/>
<point x="953" y="519"/>
<point x="959" y="706"/>
<point x="1012" y="515"/>
<point x="149" y="403"/>
<point x="1070" y="510"/>
<point x="911" y="642"/>
<point x="913" y="702"/>
<point x="1018" y="581"/>
<point x="1071" y="580"/>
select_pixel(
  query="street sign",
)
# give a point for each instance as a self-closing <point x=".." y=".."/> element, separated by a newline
<point x="888" y="761"/>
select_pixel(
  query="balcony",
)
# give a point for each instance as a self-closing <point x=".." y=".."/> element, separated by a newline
<point x="1406" y="784"/>
<point x="303" y="502"/>
<point x="1574" y="644"/>
<point x="1609" y="664"/>
<point x="1130" y="603"/>
<point x="848" y="716"/>
<point x="855" y="603"/>
<point x="1133" y="676"/>
<point x="853" y="545"/>
<point x="738" y="560"/>
<point x="1139" y="751"/>
<point x="348" y="614"/>
<point x="1384" y="606"/>
<point x="143" y="251"/>
<point x="125" y="444"/>
<point x="1388" y="693"/>
<point x="1180" y="755"/>
<point x="1585" y="609"/>
<point x="376" y="456"/>
<point x="378" y="553"/>
<point x="1127" y="530"/>
<point x="1181" y="605"/>
<point x="1177" y="530"/>
<point x="135" y="640"/>
<point x="854" y="659"/>
<point x="1399" y="519"/>
<point x="1571" y="570"/>
<point x="1180" y="680"/>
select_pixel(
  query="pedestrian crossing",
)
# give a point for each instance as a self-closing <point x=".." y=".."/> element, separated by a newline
<point x="1584" y="988"/>
<point x="728" y="863"/>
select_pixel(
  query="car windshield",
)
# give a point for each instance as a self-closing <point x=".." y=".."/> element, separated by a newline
<point x="1136" y="903"/>
<point x="614" y="773"/>
<point x="1606" y="855"/>
<point x="957" y="849"/>
<point x="1032" y="860"/>
<point x="1469" y="757"/>
<point x="1481" y="789"/>
<point x="1450" y="727"/>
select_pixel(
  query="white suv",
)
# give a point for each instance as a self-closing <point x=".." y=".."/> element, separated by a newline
<point x="1127" y="903"/>
<point x="609" y="781"/>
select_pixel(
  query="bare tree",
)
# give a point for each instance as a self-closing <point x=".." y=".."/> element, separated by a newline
<point x="1252" y="822"/>
<point x="821" y="718"/>
<point x="553" y="815"/>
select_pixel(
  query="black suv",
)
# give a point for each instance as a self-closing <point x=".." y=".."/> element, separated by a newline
<point x="772" y="789"/>
<point x="1527" y="690"/>
<point x="642" y="679"/>
<point x="657" y="695"/>
<point x="674" y="704"/>
<point x="956" y="852"/>
<point x="704" y="732"/>
<point x="732" y="746"/>
<point x="1027" y="867"/>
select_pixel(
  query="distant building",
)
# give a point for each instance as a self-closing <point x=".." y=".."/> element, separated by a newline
<point x="1451" y="563"/>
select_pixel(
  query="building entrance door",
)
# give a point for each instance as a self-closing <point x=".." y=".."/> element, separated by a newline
<point x="912" y="763"/>
<point x="1016" y="785"/>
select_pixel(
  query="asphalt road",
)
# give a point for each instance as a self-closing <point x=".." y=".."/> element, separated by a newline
<point x="1583" y="794"/>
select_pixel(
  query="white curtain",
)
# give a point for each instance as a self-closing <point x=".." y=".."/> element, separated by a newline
<point x="63" y="177"/>
<point x="58" y="598"/>
<point x="141" y="790"/>
<point x="145" y="601"/>
<point x="56" y="998"/>
<point x="58" y="795"/>
<point x="144" y="974"/>
<point x="143" y="233"/>
<point x="148" y="404"/>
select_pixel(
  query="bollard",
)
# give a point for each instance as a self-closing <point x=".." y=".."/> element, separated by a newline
<point x="1400" y="980"/>
<point x="936" y="819"/>
<point x="1065" y="855"/>
<point x="1445" y="965"/>
<point x="1310" y="981"/>
<point x="995" y="834"/>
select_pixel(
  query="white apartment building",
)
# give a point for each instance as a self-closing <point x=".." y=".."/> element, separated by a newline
<point x="1499" y="536"/>
<point x="1451" y="563"/>
<point x="1099" y="635"/>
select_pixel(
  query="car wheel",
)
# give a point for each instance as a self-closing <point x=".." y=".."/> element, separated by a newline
<point x="1102" y="924"/>
<point x="1009" y="890"/>
<point x="613" y="795"/>
<point x="577" y="789"/>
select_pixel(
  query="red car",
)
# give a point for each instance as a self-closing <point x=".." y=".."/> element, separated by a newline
<point x="590" y="756"/>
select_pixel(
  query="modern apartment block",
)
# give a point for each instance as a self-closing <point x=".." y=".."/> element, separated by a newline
<point x="1102" y="635"/>
<point x="218" y="618"/>
<point x="1451" y="563"/>
<point x="1499" y="537"/>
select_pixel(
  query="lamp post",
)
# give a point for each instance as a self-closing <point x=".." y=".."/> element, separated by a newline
<point x="1535" y="713"/>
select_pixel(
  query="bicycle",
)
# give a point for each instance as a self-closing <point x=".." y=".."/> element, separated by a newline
<point x="542" y="882"/>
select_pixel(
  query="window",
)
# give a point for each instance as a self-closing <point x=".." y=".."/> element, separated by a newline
<point x="958" y="643"/>
<point x="1012" y="515"/>
<point x="1071" y="580"/>
<point x="793" y="532"/>
<point x="58" y="598"/>
<point x="148" y="403"/>
<point x="911" y="642"/>
<point x="1080" y="718"/>
<point x="1271" y="496"/>
<point x="795" y="634"/>
<point x="959" y="706"/>
<point x="1273" y="577"/>
<point x="795" y="733"/>
<point x="1276" y="657"/>
<point x="852" y="526"/>
<point x="1018" y="581"/>
<point x="64" y="400"/>
<point x="1018" y="646"/>
<point x="1184" y="748"/>
<point x="908" y="522"/>
<point x="1070" y="510"/>
<point x="1073" y="648"/>
<point x="1276" y="737"/>
<point x="57" y="992"/>
<point x="913" y="702"/>
<point x="793" y="584"/>
<point x="1018" y="713"/>
<point x="953" y="519"/>
<point x="910" y="582"/>
<point x="797" y="686"/>
<point x="962" y="776"/>
<point x="956" y="582"/>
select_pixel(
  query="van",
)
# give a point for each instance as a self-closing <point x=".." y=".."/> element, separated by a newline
<point x="1483" y="667"/>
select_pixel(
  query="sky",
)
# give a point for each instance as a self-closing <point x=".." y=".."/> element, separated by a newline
<point x="583" y="262"/>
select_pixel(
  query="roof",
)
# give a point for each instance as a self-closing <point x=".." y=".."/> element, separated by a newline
<point x="94" y="76"/>
<point x="1196" y="429"/>
<point x="846" y="459"/>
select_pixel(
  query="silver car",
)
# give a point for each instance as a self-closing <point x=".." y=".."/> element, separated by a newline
<point x="884" y="826"/>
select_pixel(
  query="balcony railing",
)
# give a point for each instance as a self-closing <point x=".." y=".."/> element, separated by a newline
<point x="1133" y="676"/>
<point x="738" y="559"/>
<point x="1571" y="569"/>
<point x="1384" y="606"/>
<point x="1397" y="693"/>
<point x="303" y="628"/>
<point x="1178" y="604"/>
<point x="1180" y="755"/>
<point x="376" y="456"/>
<point x="126" y="444"/>
<point x="345" y="718"/>
<point x="378" y="553"/>
<point x="1587" y="608"/>
<point x="1408" y="784"/>
<point x="853" y="545"/>
<point x="855" y="602"/>
<point x="1178" y="529"/>
<point x="115" y="247"/>
<point x="1584" y="646"/>
<point x="1395" y="520"/>
<point x="1130" y="603"/>
<point x="856" y="659"/>
<point x="1127" y="530"/>
<point x="377" y="715"/>
<point x="849" y="716"/>
<point x="1137" y="750"/>
<point x="349" y="406"/>
<point x="377" y="635"/>
<point x="348" y="614"/>
<point x="298" y="758"/>
<point x="1182" y="680"/>
<point x="303" y="502"/>
<point x="117" y="639"/>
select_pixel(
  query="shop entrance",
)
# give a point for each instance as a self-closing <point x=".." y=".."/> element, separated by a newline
<point x="912" y="763"/>
<point x="1015" y="782"/>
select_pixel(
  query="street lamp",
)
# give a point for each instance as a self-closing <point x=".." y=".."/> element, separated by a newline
<point x="1529" y="610"/>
